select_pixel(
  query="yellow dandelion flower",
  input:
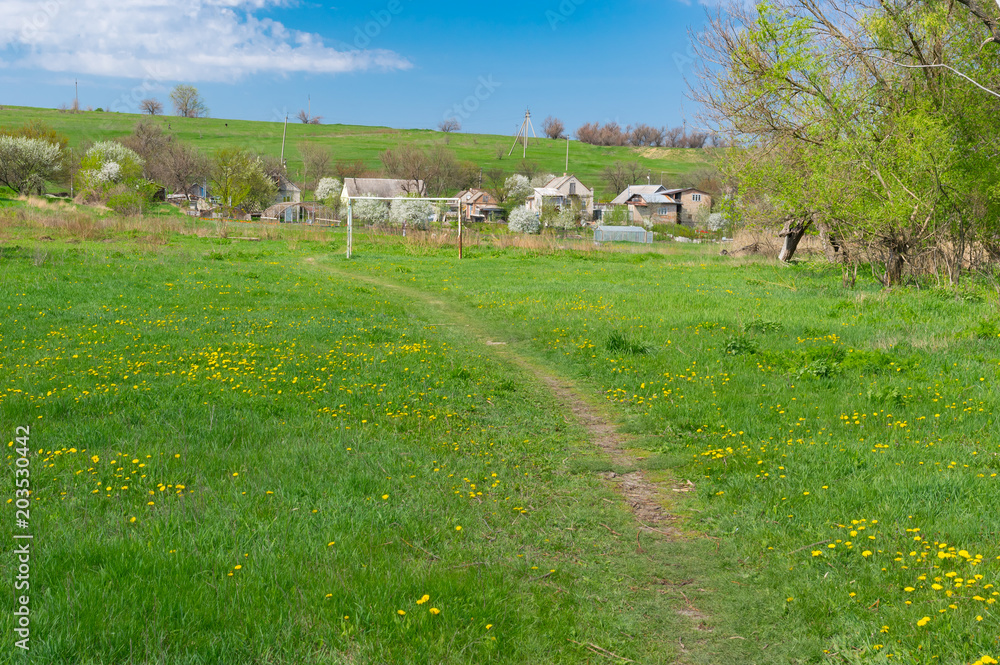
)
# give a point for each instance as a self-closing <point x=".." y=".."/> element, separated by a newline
<point x="458" y="528"/>
<point x="385" y="497"/>
<point x="924" y="621"/>
<point x="435" y="610"/>
<point x="401" y="613"/>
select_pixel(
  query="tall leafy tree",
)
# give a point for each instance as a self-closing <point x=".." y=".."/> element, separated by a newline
<point x="872" y="121"/>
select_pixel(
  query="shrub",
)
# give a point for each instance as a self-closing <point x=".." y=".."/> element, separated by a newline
<point x="108" y="163"/>
<point x="523" y="220"/>
<point x="127" y="202"/>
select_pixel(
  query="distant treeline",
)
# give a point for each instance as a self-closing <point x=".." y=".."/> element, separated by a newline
<point x="642" y="135"/>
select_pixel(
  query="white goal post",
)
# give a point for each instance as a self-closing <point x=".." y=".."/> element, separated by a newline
<point x="350" y="214"/>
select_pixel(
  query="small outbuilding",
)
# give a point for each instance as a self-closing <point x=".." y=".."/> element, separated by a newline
<point x="622" y="234"/>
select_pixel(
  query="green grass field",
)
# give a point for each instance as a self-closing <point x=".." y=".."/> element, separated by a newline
<point x="262" y="452"/>
<point x="350" y="143"/>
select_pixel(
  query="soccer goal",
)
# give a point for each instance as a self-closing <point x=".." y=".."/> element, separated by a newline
<point x="454" y="202"/>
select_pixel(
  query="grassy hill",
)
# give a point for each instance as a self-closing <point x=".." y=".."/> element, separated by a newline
<point x="353" y="142"/>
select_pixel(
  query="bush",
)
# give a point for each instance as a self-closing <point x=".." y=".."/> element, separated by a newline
<point x="109" y="163"/>
<point x="128" y="202"/>
<point x="523" y="220"/>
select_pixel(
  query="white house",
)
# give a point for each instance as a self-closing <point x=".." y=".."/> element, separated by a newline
<point x="561" y="191"/>
<point x="288" y="192"/>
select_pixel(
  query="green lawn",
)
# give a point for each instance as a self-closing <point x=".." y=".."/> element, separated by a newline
<point x="241" y="453"/>
<point x="349" y="142"/>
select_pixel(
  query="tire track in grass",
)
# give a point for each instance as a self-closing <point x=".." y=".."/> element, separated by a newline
<point x="645" y="498"/>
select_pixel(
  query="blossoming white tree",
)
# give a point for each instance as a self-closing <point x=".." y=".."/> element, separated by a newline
<point x="371" y="211"/>
<point x="411" y="212"/>
<point x="522" y="220"/>
<point x="328" y="191"/>
<point x="26" y="163"/>
<point x="108" y="163"/>
<point x="519" y="188"/>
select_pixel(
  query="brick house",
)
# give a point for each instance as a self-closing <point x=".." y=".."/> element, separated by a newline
<point x="655" y="204"/>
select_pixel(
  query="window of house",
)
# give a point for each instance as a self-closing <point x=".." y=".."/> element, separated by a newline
<point x="664" y="210"/>
<point x="572" y="189"/>
<point x="696" y="197"/>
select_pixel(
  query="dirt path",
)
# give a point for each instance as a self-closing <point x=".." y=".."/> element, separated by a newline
<point x="644" y="497"/>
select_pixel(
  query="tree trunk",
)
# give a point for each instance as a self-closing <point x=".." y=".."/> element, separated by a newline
<point x="831" y="244"/>
<point x="792" y="233"/>
<point x="894" y="267"/>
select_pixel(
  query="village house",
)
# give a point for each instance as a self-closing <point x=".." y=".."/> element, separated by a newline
<point x="288" y="192"/>
<point x="691" y="201"/>
<point x="562" y="191"/>
<point x="574" y="191"/>
<point x="545" y="196"/>
<point x="655" y="204"/>
<point x="478" y="206"/>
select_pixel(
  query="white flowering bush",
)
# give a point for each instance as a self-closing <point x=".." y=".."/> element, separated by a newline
<point x="109" y="172"/>
<point x="109" y="163"/>
<point x="518" y="188"/>
<point x="412" y="213"/>
<point x="328" y="191"/>
<point x="25" y="163"/>
<point x="522" y="220"/>
<point x="716" y="222"/>
<point x="371" y="212"/>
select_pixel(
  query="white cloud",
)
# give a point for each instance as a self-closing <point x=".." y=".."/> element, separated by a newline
<point x="171" y="40"/>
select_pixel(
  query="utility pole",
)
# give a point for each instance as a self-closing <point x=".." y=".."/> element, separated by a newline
<point x="283" y="134"/>
<point x="523" y="132"/>
<point x="567" y="156"/>
<point x="76" y="95"/>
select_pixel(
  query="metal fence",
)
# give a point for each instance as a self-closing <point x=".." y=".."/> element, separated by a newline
<point x="622" y="234"/>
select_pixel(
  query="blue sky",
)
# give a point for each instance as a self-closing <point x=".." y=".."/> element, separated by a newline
<point x="396" y="62"/>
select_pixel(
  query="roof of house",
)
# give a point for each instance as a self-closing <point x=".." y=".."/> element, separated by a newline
<point x="383" y="187"/>
<point x="286" y="185"/>
<point x="558" y="182"/>
<point x="548" y="191"/>
<point x="685" y="189"/>
<point x="645" y="191"/>
<point x="472" y="195"/>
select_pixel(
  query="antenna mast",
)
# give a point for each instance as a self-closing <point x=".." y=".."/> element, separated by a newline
<point x="522" y="133"/>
